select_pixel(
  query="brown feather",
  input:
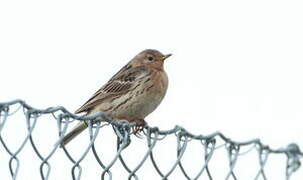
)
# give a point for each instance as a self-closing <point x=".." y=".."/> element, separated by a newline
<point x="119" y="84"/>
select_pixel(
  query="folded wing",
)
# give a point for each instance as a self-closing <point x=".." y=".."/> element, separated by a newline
<point x="122" y="82"/>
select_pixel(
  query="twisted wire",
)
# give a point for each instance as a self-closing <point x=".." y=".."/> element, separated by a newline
<point x="123" y="132"/>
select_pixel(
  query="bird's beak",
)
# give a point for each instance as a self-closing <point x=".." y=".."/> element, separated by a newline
<point x="166" y="56"/>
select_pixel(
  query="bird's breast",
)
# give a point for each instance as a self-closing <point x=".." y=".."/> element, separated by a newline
<point x="144" y="99"/>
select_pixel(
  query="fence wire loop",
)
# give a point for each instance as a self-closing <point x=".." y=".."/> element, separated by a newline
<point x="123" y="132"/>
<point x="293" y="158"/>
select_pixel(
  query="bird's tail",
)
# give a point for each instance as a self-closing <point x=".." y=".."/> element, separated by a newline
<point x="81" y="126"/>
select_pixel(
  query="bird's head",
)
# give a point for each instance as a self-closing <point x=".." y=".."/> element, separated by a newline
<point x="151" y="58"/>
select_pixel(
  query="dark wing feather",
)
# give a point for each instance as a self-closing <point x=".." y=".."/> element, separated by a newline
<point x="119" y="84"/>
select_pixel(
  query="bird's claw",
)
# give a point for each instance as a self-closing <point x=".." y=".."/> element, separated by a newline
<point x="138" y="129"/>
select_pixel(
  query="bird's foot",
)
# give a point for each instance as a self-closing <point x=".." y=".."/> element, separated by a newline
<point x="138" y="128"/>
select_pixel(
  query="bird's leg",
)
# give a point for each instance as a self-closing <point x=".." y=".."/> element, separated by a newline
<point x="139" y="127"/>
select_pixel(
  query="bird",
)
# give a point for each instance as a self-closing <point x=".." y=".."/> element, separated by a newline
<point x="134" y="92"/>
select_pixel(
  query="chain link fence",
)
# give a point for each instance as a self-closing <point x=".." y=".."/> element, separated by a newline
<point x="152" y="135"/>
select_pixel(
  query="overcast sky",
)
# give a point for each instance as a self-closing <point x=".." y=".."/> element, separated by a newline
<point x="236" y="65"/>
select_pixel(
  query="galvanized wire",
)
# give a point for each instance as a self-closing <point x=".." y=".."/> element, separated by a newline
<point x="153" y="136"/>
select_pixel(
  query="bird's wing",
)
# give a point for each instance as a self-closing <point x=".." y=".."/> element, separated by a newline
<point x="121" y="83"/>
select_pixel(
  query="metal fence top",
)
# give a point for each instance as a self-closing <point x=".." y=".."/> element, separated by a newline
<point x="123" y="132"/>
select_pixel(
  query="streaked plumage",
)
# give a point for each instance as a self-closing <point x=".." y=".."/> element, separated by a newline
<point x="131" y="94"/>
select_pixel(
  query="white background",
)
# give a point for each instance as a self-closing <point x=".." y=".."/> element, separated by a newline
<point x="236" y="65"/>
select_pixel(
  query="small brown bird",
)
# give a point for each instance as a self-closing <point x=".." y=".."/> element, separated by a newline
<point x="131" y="94"/>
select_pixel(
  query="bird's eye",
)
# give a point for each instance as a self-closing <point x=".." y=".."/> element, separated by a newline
<point x="150" y="58"/>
